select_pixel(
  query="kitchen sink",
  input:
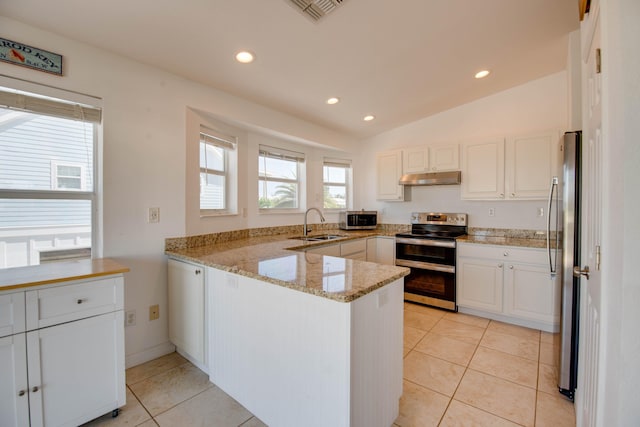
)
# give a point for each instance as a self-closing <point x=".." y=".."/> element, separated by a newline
<point x="319" y="237"/>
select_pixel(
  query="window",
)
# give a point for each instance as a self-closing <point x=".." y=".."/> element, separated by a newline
<point x="47" y="164"/>
<point x="279" y="178"/>
<point x="336" y="177"/>
<point x="215" y="149"/>
<point x="67" y="176"/>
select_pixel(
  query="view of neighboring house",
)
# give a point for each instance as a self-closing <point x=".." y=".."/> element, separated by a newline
<point x="46" y="179"/>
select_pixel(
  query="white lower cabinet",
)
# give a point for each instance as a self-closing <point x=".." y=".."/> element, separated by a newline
<point x="354" y="249"/>
<point x="330" y="250"/>
<point x="67" y="366"/>
<point x="480" y="283"/>
<point x="510" y="284"/>
<point x="14" y="400"/>
<point x="187" y="326"/>
<point x="382" y="250"/>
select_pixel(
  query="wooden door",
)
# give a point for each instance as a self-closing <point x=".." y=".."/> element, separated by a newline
<point x="591" y="353"/>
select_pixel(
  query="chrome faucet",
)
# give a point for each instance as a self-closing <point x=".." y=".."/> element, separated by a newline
<point x="305" y="230"/>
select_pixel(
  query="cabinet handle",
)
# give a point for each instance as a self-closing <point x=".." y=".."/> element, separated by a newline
<point x="513" y="194"/>
<point x="511" y="267"/>
<point x="198" y="271"/>
<point x="502" y="195"/>
<point x="505" y="253"/>
<point x="500" y="265"/>
<point x="35" y="389"/>
<point x="81" y="300"/>
<point x="22" y="392"/>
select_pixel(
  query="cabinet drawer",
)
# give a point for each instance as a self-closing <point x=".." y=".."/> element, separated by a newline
<point x="12" y="320"/>
<point x="355" y="246"/>
<point x="50" y="306"/>
<point x="506" y="253"/>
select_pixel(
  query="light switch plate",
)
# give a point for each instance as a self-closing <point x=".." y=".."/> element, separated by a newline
<point x="154" y="215"/>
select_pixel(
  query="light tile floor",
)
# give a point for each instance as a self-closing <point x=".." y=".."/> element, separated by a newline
<point x="459" y="370"/>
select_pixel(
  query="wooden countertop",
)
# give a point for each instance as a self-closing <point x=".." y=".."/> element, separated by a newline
<point x="56" y="272"/>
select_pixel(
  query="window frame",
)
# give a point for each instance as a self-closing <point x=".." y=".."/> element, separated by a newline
<point x="69" y="106"/>
<point x="55" y="175"/>
<point x="266" y="151"/>
<point x="348" y="184"/>
<point x="228" y="144"/>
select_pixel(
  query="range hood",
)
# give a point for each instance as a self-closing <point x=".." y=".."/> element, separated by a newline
<point x="432" y="178"/>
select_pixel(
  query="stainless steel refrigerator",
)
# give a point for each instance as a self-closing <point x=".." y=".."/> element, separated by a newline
<point x="562" y="261"/>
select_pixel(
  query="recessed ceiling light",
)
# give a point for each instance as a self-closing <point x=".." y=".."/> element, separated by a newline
<point x="245" y="57"/>
<point x="368" y="118"/>
<point x="482" y="74"/>
<point x="333" y="100"/>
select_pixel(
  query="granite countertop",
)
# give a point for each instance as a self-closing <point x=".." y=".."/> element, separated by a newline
<point x="35" y="275"/>
<point x="282" y="260"/>
<point x="504" y="241"/>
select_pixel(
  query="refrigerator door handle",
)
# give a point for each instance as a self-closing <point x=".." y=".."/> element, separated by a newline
<point x="554" y="184"/>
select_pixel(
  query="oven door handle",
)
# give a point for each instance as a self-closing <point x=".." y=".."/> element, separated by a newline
<point x="426" y="265"/>
<point x="426" y="242"/>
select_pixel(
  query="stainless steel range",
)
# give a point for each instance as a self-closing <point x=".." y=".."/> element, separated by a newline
<point x="430" y="252"/>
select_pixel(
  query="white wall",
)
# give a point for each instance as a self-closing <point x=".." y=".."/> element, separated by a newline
<point x="539" y="105"/>
<point x="144" y="160"/>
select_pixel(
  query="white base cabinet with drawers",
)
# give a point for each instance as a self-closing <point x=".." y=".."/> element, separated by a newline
<point x="62" y="353"/>
<point x="510" y="284"/>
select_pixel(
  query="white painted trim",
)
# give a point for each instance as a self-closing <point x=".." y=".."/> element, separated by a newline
<point x="141" y="357"/>
<point x="543" y="326"/>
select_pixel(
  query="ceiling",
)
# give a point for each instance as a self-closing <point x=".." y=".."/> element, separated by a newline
<point x="398" y="60"/>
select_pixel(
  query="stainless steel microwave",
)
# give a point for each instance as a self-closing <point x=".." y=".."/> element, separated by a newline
<point x="358" y="220"/>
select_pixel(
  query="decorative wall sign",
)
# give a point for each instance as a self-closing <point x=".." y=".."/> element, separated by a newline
<point x="29" y="56"/>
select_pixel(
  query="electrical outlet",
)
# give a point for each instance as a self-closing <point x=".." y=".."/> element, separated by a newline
<point x="154" y="312"/>
<point x="130" y="318"/>
<point x="492" y="211"/>
<point x="540" y="211"/>
<point x="154" y="215"/>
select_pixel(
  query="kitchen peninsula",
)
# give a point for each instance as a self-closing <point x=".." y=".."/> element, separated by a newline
<point x="298" y="338"/>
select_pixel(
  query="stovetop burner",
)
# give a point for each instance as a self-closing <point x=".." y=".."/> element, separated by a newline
<point x="436" y="225"/>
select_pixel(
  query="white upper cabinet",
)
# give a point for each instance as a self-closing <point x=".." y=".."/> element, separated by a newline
<point x="415" y="159"/>
<point x="433" y="158"/>
<point x="444" y="157"/>
<point x="389" y="170"/>
<point x="531" y="163"/>
<point x="520" y="168"/>
<point x="483" y="170"/>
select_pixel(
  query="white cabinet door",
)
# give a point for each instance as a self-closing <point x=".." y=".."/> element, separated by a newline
<point x="389" y="170"/>
<point x="331" y="250"/>
<point x="12" y="317"/>
<point x="531" y="293"/>
<point x="381" y="250"/>
<point x="531" y="162"/>
<point x="480" y="283"/>
<point x="444" y="158"/>
<point x="186" y="309"/>
<point x="431" y="158"/>
<point x="415" y="159"/>
<point x="76" y="370"/>
<point x="483" y="170"/>
<point x="14" y="395"/>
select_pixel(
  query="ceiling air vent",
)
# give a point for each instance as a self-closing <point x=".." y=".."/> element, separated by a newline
<point x="316" y="9"/>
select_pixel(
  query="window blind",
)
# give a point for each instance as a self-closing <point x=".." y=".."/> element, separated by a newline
<point x="217" y="139"/>
<point x="281" y="153"/>
<point x="337" y="163"/>
<point x="50" y="107"/>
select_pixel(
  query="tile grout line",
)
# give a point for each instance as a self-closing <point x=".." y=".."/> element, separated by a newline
<point x="141" y="404"/>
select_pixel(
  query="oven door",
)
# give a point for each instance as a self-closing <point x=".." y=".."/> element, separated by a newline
<point x="432" y="280"/>
<point x="431" y="287"/>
